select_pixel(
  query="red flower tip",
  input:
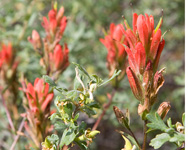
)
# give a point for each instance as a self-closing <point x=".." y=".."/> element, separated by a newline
<point x="135" y="16"/>
<point x="155" y="44"/>
<point x="159" y="51"/>
<point x="142" y="30"/>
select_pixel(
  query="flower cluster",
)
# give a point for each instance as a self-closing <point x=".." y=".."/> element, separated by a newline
<point x="117" y="56"/>
<point x="54" y="57"/>
<point x="39" y="99"/>
<point x="38" y="96"/>
<point x="144" y="48"/>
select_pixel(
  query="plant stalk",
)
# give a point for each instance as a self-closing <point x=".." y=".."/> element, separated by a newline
<point x="145" y="135"/>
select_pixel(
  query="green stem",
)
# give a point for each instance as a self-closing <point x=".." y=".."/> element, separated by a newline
<point x="145" y="135"/>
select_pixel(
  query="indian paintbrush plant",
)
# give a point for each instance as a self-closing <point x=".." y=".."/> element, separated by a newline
<point x="145" y="45"/>
<point x="9" y="83"/>
<point x="54" y="55"/>
<point x="132" y="53"/>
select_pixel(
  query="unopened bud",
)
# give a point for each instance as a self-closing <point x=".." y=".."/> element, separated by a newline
<point x="163" y="109"/>
<point x="92" y="134"/>
<point x="35" y="36"/>
<point x="35" y="40"/>
<point x="93" y="87"/>
<point x="82" y="97"/>
<point x="142" y="111"/>
<point x="119" y="115"/>
<point x="179" y="127"/>
<point x="88" y="134"/>
<point x="158" y="81"/>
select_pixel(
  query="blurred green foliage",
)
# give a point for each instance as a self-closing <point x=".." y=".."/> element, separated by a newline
<point x="87" y="19"/>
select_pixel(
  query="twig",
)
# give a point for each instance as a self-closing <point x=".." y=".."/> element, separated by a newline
<point x="145" y="135"/>
<point x="134" y="137"/>
<point x="7" y="113"/>
<point x="17" y="136"/>
<point x="105" y="107"/>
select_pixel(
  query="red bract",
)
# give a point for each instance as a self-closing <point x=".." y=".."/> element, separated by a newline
<point x="135" y="84"/>
<point x="38" y="96"/>
<point x="114" y="41"/>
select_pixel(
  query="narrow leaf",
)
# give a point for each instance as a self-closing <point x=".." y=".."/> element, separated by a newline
<point x="116" y="73"/>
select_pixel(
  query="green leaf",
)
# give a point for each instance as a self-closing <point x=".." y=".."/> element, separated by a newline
<point x="73" y="94"/>
<point x="183" y="119"/>
<point x="169" y="130"/>
<point x="88" y="110"/>
<point x="169" y="123"/>
<point x="59" y="125"/>
<point x="68" y="136"/>
<point x="82" y="69"/>
<point x="55" y="116"/>
<point x="159" y="140"/>
<point x="156" y="122"/>
<point x="68" y="109"/>
<point x="76" y="83"/>
<point x="132" y="141"/>
<point x="76" y="117"/>
<point x="53" y="139"/>
<point x="150" y="130"/>
<point x="128" y="145"/>
<point x="177" y="137"/>
<point x="82" y="127"/>
<point x="97" y="79"/>
<point x="116" y="73"/>
<point x="82" y="144"/>
<point x="93" y="105"/>
<point x="49" y="80"/>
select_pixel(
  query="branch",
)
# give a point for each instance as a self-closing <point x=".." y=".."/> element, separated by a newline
<point x="8" y="113"/>
<point x="145" y="136"/>
<point x="17" y="136"/>
<point x="105" y="107"/>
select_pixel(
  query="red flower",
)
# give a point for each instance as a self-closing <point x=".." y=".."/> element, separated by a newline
<point x="56" y="21"/>
<point x="38" y="95"/>
<point x="114" y="41"/>
<point x="150" y="42"/>
<point x="54" y="59"/>
<point x="144" y="48"/>
<point x="35" y="40"/>
<point x="6" y="55"/>
<point x="59" y="58"/>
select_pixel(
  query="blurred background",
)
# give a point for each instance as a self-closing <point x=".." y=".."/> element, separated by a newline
<point x="87" y="20"/>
